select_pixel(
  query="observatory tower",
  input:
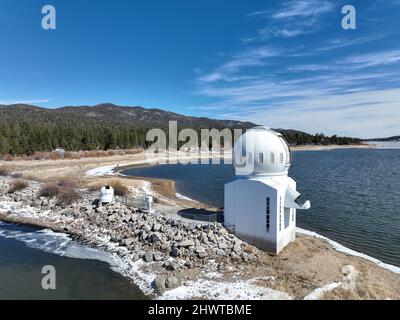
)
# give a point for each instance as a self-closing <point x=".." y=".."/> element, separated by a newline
<point x="261" y="202"/>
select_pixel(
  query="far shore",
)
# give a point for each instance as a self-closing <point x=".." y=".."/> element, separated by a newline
<point x="78" y="169"/>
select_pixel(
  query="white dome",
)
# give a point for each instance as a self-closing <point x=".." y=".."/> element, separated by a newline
<point x="261" y="151"/>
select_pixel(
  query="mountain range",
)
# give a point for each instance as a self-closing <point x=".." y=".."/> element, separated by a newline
<point x="25" y="129"/>
<point x="108" y="113"/>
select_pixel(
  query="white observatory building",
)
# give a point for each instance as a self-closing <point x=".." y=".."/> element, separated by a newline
<point x="261" y="202"/>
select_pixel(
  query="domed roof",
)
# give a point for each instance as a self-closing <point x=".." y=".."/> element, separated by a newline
<point x="261" y="151"/>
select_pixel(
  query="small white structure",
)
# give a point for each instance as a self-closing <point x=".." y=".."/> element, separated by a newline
<point x="261" y="202"/>
<point x="106" y="195"/>
<point x="148" y="200"/>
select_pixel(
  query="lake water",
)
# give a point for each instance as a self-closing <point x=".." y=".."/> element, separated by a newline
<point x="82" y="272"/>
<point x="355" y="194"/>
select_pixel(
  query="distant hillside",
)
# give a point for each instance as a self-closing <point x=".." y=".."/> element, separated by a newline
<point x="394" y="138"/>
<point x="25" y="129"/>
<point x="111" y="114"/>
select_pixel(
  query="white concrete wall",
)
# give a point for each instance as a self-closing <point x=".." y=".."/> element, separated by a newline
<point x="245" y="209"/>
<point x="288" y="234"/>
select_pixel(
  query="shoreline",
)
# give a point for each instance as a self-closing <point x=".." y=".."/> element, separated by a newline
<point x="307" y="266"/>
<point x="337" y="245"/>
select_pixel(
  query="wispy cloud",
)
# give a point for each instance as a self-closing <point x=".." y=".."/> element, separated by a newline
<point x="252" y="57"/>
<point x="310" y="67"/>
<point x="23" y="101"/>
<point x="372" y="59"/>
<point x="303" y="9"/>
<point x="310" y="86"/>
<point x="291" y="19"/>
<point x="343" y="43"/>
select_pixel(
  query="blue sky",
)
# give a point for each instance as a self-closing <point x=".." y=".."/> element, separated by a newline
<point x="283" y="64"/>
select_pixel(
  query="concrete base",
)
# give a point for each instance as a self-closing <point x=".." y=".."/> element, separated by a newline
<point x="267" y="245"/>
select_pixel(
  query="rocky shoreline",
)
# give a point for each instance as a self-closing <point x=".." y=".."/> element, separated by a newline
<point x="170" y="246"/>
<point x="172" y="258"/>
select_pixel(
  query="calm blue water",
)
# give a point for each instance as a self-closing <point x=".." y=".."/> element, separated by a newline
<point x="355" y="194"/>
<point x="81" y="272"/>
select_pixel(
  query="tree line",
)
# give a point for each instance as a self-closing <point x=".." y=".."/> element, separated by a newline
<point x="24" y="138"/>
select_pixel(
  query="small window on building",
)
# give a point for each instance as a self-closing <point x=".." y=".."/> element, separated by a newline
<point x="267" y="214"/>
<point x="281" y="157"/>
<point x="280" y="213"/>
<point x="272" y="157"/>
<point x="260" y="158"/>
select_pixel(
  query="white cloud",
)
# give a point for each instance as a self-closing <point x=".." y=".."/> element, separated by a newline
<point x="310" y="67"/>
<point x="22" y="101"/>
<point x="333" y="103"/>
<point x="342" y="43"/>
<point x="291" y="19"/>
<point x="253" y="57"/>
<point x="304" y="87"/>
<point x="372" y="59"/>
<point x="364" y="114"/>
<point x="303" y="9"/>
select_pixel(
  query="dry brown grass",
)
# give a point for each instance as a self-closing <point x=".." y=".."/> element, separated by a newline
<point x="120" y="189"/>
<point x="73" y="155"/>
<point x="68" y="196"/>
<point x="4" y="171"/>
<point x="363" y="291"/>
<point x="49" y="190"/>
<point x="17" y="185"/>
<point x="67" y="183"/>
<point x="8" y="157"/>
<point x="64" y="190"/>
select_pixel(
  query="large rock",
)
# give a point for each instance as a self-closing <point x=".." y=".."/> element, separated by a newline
<point x="148" y="256"/>
<point x="220" y="252"/>
<point x="235" y="257"/>
<point x="159" y="283"/>
<point x="129" y="241"/>
<point x="171" y="282"/>
<point x="186" y="243"/>
<point x="157" y="227"/>
<point x="222" y="245"/>
<point x="175" y="252"/>
<point x="112" y="218"/>
<point x="237" y="248"/>
<point x="222" y="232"/>
<point x="169" y="265"/>
<point x="201" y="252"/>
<point x="155" y="237"/>
<point x="147" y="227"/>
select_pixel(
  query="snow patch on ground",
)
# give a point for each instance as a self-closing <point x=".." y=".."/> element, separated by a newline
<point x="182" y="197"/>
<point x="147" y="188"/>
<point x="318" y="293"/>
<point x="238" y="290"/>
<point x="101" y="171"/>
<point x="343" y="249"/>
